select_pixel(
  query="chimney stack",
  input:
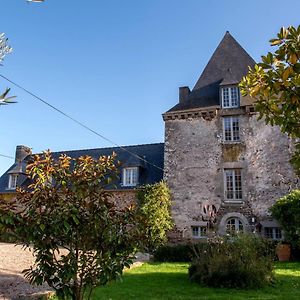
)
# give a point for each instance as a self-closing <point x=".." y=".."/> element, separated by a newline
<point x="184" y="92"/>
<point x="22" y="152"/>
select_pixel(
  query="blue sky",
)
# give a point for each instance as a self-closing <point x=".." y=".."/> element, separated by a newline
<point x="116" y="65"/>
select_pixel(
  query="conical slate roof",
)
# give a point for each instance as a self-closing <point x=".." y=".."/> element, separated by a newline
<point x="228" y="65"/>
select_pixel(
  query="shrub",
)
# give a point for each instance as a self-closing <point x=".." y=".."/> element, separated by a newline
<point x="154" y="214"/>
<point x="178" y="253"/>
<point x="67" y="210"/>
<point x="240" y="262"/>
<point x="287" y="211"/>
<point x="174" y="253"/>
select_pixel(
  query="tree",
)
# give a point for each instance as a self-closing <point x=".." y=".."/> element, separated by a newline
<point x="4" y="47"/>
<point x="4" y="50"/>
<point x="80" y="237"/>
<point x="153" y="211"/>
<point x="275" y="85"/>
<point x="287" y="211"/>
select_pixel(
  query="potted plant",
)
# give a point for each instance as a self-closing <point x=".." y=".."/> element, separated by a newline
<point x="286" y="211"/>
<point x="283" y="251"/>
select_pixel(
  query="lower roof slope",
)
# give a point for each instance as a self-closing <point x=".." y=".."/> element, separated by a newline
<point x="151" y="171"/>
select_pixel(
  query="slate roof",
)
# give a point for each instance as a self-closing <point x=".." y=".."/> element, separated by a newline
<point x="228" y="64"/>
<point x="152" y="153"/>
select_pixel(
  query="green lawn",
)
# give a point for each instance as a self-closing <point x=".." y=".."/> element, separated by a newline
<point x="169" y="281"/>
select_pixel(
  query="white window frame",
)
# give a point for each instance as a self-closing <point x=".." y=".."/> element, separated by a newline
<point x="237" y="188"/>
<point x="130" y="176"/>
<point x="274" y="234"/>
<point x="12" y="181"/>
<point x="230" y="102"/>
<point x="199" y="232"/>
<point x="234" y="227"/>
<point x="234" y="133"/>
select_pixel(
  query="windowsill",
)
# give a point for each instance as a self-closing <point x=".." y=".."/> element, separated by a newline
<point x="199" y="237"/>
<point x="233" y="111"/>
<point x="232" y="142"/>
<point x="232" y="202"/>
<point x="129" y="185"/>
<point x="11" y="189"/>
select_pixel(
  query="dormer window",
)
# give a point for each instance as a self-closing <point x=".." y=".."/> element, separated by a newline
<point x="230" y="97"/>
<point x="130" y="176"/>
<point x="12" y="181"/>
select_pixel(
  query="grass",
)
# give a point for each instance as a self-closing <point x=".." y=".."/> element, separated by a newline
<point x="169" y="281"/>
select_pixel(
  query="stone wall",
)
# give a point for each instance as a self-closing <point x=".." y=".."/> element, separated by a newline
<point x="7" y="197"/>
<point x="192" y="168"/>
<point x="124" y="198"/>
<point x="195" y="157"/>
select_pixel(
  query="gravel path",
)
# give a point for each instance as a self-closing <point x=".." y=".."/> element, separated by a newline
<point x="13" y="285"/>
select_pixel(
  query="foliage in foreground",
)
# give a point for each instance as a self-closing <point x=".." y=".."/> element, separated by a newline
<point x="236" y="262"/>
<point x="4" y="47"/>
<point x="287" y="211"/>
<point x="4" y="50"/>
<point x="275" y="85"/>
<point x="81" y="239"/>
<point x="170" y="281"/>
<point x="153" y="210"/>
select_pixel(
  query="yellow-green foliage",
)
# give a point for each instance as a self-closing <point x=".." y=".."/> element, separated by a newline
<point x="154" y="212"/>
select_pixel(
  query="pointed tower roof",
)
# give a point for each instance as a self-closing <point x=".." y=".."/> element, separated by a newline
<point x="229" y="78"/>
<point x="228" y="64"/>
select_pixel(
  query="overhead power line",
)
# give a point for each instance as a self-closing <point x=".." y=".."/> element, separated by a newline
<point x="79" y="122"/>
<point x="7" y="156"/>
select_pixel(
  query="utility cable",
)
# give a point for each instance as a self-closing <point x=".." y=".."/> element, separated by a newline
<point x="7" y="156"/>
<point x="78" y="122"/>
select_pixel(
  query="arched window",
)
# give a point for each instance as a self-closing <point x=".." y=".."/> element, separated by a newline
<point x="234" y="225"/>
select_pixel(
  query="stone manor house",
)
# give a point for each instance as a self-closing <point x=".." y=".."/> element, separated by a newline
<point x="222" y="165"/>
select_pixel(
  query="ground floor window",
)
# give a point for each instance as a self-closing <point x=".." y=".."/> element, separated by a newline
<point x="234" y="225"/>
<point x="199" y="231"/>
<point x="273" y="233"/>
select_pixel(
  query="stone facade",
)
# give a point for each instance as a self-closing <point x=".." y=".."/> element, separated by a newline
<point x="197" y="156"/>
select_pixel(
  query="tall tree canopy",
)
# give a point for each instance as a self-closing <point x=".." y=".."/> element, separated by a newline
<point x="275" y="85"/>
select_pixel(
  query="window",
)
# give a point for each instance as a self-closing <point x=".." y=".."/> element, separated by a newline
<point x="273" y="233"/>
<point x="199" y="231"/>
<point x="12" y="182"/>
<point x="234" y="225"/>
<point x="233" y="184"/>
<point x="231" y="129"/>
<point x="130" y="176"/>
<point x="230" y="97"/>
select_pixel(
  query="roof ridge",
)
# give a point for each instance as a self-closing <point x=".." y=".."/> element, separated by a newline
<point x="104" y="148"/>
<point x="220" y="47"/>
